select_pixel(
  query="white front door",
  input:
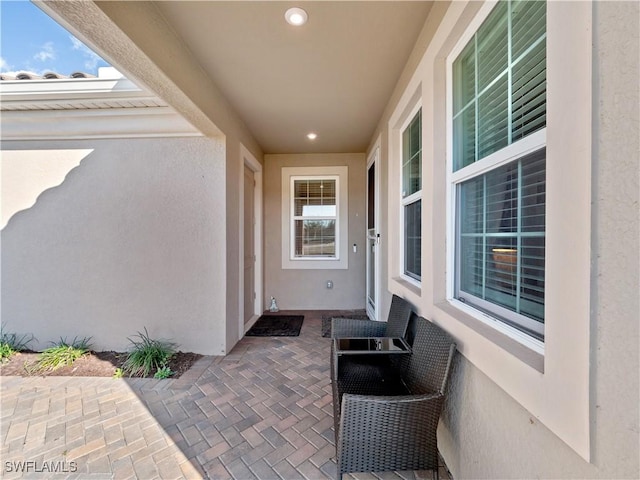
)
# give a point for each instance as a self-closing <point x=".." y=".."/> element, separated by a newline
<point x="373" y="235"/>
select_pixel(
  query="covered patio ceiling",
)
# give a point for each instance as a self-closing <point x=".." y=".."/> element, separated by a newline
<point x="332" y="76"/>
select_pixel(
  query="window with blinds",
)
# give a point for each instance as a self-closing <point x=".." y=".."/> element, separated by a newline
<point x="412" y="196"/>
<point x="315" y="216"/>
<point x="499" y="102"/>
<point x="499" y="82"/>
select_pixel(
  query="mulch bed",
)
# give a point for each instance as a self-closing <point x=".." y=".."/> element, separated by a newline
<point x="94" y="364"/>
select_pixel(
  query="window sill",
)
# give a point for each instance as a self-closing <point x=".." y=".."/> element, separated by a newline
<point x="407" y="285"/>
<point x="523" y="353"/>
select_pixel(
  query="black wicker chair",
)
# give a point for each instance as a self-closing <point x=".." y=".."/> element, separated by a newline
<point x="386" y="413"/>
<point x="395" y="326"/>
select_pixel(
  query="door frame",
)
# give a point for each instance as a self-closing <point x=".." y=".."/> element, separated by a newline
<point x="248" y="160"/>
<point x="373" y="160"/>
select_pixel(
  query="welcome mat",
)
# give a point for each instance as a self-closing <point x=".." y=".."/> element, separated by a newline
<point x="276" y="326"/>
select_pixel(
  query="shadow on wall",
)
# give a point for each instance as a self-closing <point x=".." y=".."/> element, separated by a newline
<point x="127" y="240"/>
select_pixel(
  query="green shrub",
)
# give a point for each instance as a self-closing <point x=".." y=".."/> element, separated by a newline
<point x="147" y="355"/>
<point x="163" y="372"/>
<point x="62" y="354"/>
<point x="12" y="343"/>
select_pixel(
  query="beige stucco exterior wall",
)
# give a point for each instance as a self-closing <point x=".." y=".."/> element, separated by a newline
<point x="485" y="431"/>
<point x="306" y="289"/>
<point x="145" y="47"/>
<point x="128" y="237"/>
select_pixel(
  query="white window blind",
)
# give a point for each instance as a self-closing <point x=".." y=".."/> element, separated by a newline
<point x="315" y="216"/>
<point x="498" y="99"/>
<point x="499" y="82"/>
<point x="502" y="240"/>
<point x="412" y="196"/>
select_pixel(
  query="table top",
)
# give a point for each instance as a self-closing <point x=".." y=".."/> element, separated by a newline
<point x="384" y="345"/>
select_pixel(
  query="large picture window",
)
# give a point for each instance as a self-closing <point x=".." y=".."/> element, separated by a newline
<point x="498" y="165"/>
<point x="412" y="196"/>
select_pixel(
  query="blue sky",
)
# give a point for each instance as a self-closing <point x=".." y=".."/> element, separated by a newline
<point x="31" y="41"/>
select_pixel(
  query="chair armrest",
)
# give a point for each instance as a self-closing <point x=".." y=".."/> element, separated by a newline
<point x="352" y="327"/>
<point x="372" y="429"/>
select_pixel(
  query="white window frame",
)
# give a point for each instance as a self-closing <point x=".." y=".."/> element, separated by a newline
<point x="336" y="218"/>
<point x="410" y="199"/>
<point x="289" y="259"/>
<point x="551" y="384"/>
<point x="512" y="152"/>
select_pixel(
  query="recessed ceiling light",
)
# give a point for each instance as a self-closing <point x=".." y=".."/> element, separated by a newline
<point x="296" y="16"/>
<point x="312" y="136"/>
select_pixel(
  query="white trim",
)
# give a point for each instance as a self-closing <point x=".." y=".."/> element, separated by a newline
<point x="341" y="261"/>
<point x="519" y="149"/>
<point x="247" y="159"/>
<point x="505" y="155"/>
<point x="293" y="217"/>
<point x="470" y="31"/>
<point x="95" y="124"/>
<point x="554" y="388"/>
<point x="57" y="90"/>
<point x="374" y="160"/>
<point x="414" y="197"/>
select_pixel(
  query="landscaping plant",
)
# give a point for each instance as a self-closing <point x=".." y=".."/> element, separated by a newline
<point x="147" y="355"/>
<point x="163" y="372"/>
<point x="62" y="354"/>
<point x="12" y="343"/>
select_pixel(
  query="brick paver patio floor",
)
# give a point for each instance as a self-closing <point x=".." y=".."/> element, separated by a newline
<point x="262" y="412"/>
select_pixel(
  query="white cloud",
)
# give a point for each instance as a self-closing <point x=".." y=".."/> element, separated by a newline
<point x="4" y="66"/>
<point x="91" y="59"/>
<point x="47" y="53"/>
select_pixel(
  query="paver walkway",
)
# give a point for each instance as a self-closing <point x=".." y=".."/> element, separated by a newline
<point x="262" y="412"/>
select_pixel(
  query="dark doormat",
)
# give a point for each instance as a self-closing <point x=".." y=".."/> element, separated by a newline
<point x="276" y="326"/>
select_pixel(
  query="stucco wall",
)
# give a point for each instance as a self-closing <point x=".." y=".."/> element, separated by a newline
<point x="485" y="431"/>
<point x="485" y="434"/>
<point x="147" y="49"/>
<point x="130" y="239"/>
<point x="488" y="435"/>
<point x="306" y="289"/>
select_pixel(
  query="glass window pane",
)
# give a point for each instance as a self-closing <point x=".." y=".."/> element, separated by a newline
<point x="464" y="138"/>
<point x="529" y="97"/>
<point x="502" y="199"/>
<point x="493" y="41"/>
<point x="315" y="238"/>
<point x="329" y="189"/>
<point x="298" y="206"/>
<point x="471" y="258"/>
<point x="412" y="157"/>
<point x="533" y="194"/>
<point x="464" y="77"/>
<point x="528" y="23"/>
<point x="501" y="272"/>
<point x="532" y="278"/>
<point x="472" y="212"/>
<point x="481" y="75"/>
<point x="493" y="115"/>
<point x="500" y="256"/>
<point x="413" y="239"/>
<point x="499" y="97"/>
